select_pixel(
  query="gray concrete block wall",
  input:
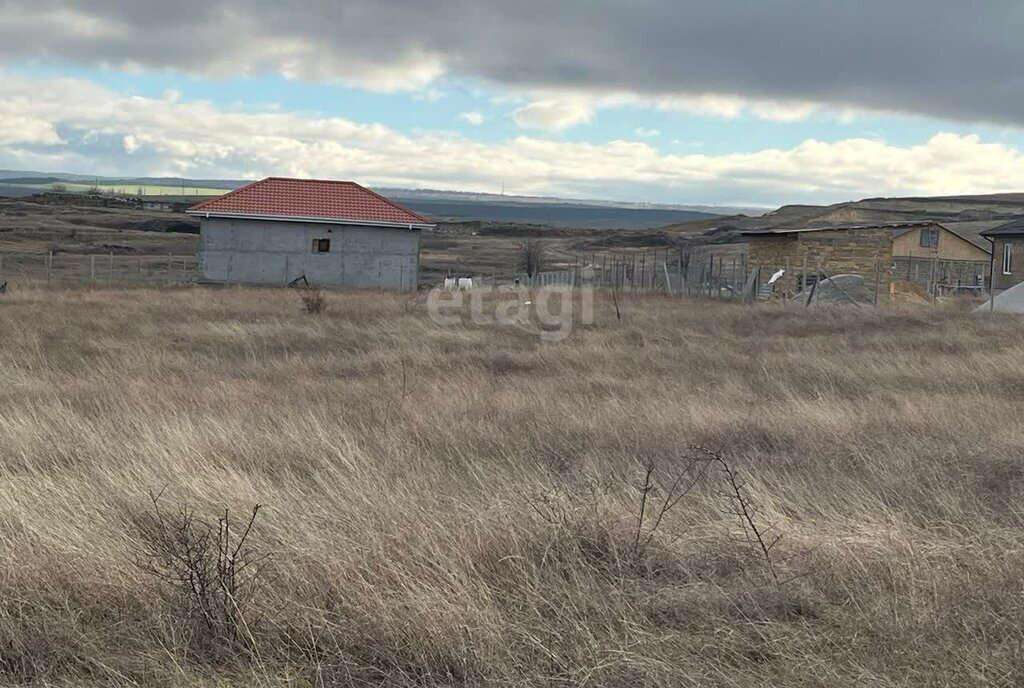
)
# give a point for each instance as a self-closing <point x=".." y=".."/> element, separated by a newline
<point x="269" y="252"/>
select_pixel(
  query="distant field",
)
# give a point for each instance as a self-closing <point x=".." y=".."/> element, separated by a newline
<point x="465" y="505"/>
<point x="125" y="190"/>
<point x="553" y="214"/>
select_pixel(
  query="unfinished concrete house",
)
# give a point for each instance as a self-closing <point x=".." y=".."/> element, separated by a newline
<point x="333" y="233"/>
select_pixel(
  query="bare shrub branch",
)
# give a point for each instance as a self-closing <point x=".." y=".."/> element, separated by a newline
<point x="663" y="498"/>
<point x="756" y="535"/>
<point x="313" y="300"/>
<point x="209" y="572"/>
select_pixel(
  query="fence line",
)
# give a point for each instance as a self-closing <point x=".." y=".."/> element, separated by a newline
<point x="711" y="272"/>
<point x="107" y="269"/>
<point x="663" y="270"/>
<point x="721" y="272"/>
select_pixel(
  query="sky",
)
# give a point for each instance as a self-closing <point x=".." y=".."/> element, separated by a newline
<point x="727" y="102"/>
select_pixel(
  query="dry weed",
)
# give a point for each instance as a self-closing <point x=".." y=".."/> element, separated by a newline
<point x="474" y="521"/>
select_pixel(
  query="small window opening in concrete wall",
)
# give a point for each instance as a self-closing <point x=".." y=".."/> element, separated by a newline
<point x="321" y="245"/>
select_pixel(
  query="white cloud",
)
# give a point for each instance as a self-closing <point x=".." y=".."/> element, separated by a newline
<point x="553" y="114"/>
<point x="645" y="133"/>
<point x="565" y="109"/>
<point x="474" y="118"/>
<point x="198" y="139"/>
<point x="731" y="107"/>
<point x="21" y="129"/>
<point x="785" y="111"/>
<point x="416" y="73"/>
<point x="717" y="105"/>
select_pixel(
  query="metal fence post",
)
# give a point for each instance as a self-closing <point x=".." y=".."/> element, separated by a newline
<point x="49" y="267"/>
<point x="817" y="298"/>
<point x="718" y="277"/>
<point x="92" y="270"/>
<point x="110" y="270"/>
<point x="732" y="278"/>
<point x="992" y="284"/>
<point x="713" y="286"/>
<point x="877" y="282"/>
<point x="788" y="276"/>
<point x="679" y="265"/>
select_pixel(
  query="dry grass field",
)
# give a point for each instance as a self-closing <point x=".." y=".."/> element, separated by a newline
<point x="461" y="505"/>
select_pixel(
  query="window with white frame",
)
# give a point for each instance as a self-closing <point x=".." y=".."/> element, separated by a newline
<point x="1007" y="258"/>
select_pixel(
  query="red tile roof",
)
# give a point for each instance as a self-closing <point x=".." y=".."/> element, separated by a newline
<point x="310" y="198"/>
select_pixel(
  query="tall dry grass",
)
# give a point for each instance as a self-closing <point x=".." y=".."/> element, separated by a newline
<point x="459" y="505"/>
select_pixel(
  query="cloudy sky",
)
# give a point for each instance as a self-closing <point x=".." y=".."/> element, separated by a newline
<point x="754" y="102"/>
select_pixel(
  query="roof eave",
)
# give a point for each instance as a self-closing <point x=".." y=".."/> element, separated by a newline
<point x="316" y="220"/>
<point x="841" y="228"/>
<point x="1005" y="233"/>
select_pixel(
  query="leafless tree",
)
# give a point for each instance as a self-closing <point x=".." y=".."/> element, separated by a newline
<point x="532" y="256"/>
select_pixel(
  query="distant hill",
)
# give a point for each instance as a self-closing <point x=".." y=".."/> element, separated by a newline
<point x="552" y="214"/>
<point x="437" y="205"/>
<point x="967" y="215"/>
<point x="22" y="177"/>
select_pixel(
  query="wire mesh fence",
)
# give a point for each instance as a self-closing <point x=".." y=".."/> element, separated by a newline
<point x="725" y="272"/>
<point x="708" y="272"/>
<point x="942" y="277"/>
<point x="668" y="271"/>
<point x="77" y="270"/>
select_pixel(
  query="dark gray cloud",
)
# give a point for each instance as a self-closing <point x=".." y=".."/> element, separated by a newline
<point x="945" y="58"/>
